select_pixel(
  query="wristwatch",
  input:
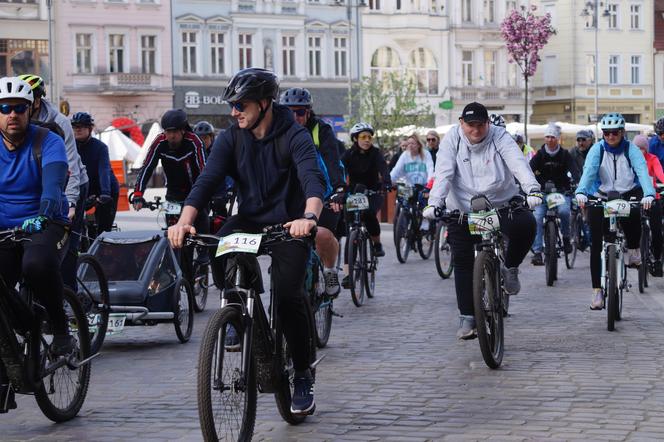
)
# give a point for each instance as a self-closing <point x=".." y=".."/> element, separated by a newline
<point x="311" y="216"/>
<point x="72" y="205"/>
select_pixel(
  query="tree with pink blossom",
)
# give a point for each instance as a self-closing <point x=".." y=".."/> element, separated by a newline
<point x="525" y="34"/>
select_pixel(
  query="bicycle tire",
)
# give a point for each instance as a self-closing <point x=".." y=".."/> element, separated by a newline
<point x="550" y="253"/>
<point x="79" y="327"/>
<point x="370" y="263"/>
<point x="212" y="353"/>
<point x="426" y="241"/>
<point x="183" y="295"/>
<point x="94" y="297"/>
<point x="645" y="249"/>
<point x="395" y="223"/>
<point x="84" y="239"/>
<point x="488" y="311"/>
<point x="321" y="305"/>
<point x="355" y="268"/>
<point x="612" y="287"/>
<point x="403" y="236"/>
<point x="200" y="281"/>
<point x="575" y="238"/>
<point x="443" y="252"/>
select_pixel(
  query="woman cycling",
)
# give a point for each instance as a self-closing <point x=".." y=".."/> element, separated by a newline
<point x="365" y="165"/>
<point x="615" y="165"/>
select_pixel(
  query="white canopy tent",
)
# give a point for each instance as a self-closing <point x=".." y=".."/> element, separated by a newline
<point x="155" y="130"/>
<point x="120" y="147"/>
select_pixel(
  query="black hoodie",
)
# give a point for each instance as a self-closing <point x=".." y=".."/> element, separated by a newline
<point x="268" y="193"/>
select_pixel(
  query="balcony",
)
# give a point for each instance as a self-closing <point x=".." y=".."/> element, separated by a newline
<point x="119" y="83"/>
<point x="487" y="93"/>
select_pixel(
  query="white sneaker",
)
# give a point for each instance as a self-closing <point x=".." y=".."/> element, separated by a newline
<point x="598" y="300"/>
<point x="425" y="224"/>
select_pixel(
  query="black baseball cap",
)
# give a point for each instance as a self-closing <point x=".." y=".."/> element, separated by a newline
<point x="474" y="112"/>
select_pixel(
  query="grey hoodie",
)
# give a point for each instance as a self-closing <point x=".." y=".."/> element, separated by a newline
<point x="464" y="170"/>
<point x="77" y="174"/>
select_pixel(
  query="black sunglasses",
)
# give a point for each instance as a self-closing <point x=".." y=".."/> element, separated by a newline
<point x="660" y="133"/>
<point x="300" y="112"/>
<point x="431" y="139"/>
<point x="611" y="132"/>
<point x="581" y="139"/>
<point x="238" y="106"/>
<point x="7" y="109"/>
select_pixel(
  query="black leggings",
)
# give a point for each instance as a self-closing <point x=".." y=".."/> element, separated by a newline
<point x="519" y="228"/>
<point x="598" y="226"/>
<point x="105" y="214"/>
<point x="656" y="228"/>
<point x="289" y="261"/>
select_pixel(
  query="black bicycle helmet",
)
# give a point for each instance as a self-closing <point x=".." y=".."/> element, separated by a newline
<point x="252" y="84"/>
<point x="174" y="119"/>
<point x="82" y="119"/>
<point x="659" y="126"/>
<point x="203" y="128"/>
<point x="296" y="96"/>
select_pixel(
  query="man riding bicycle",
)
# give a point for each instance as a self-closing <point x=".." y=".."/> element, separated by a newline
<point x="300" y="102"/>
<point x="274" y="164"/>
<point x="205" y="131"/>
<point x="552" y="163"/>
<point x="103" y="185"/>
<point x="476" y="158"/>
<point x="616" y="165"/>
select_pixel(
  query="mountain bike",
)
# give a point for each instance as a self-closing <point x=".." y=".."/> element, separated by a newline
<point x="491" y="301"/>
<point x="59" y="383"/>
<point x="647" y="255"/>
<point x="92" y="292"/>
<point x="442" y="251"/>
<point x="578" y="238"/>
<point x="614" y="270"/>
<point x="228" y="378"/>
<point x="553" y="241"/>
<point x="321" y="302"/>
<point x="362" y="262"/>
<point x="409" y="235"/>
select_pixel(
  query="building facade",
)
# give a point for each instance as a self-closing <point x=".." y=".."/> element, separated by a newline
<point x="618" y="70"/>
<point x="114" y="58"/>
<point x="453" y="49"/>
<point x="308" y="43"/>
<point x="659" y="59"/>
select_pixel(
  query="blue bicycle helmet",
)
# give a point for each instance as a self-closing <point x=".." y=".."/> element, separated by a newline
<point x="612" y="121"/>
<point x="82" y="119"/>
<point x="296" y="96"/>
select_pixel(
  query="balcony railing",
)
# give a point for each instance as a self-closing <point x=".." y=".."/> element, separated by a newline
<point x="125" y="81"/>
<point x="486" y="93"/>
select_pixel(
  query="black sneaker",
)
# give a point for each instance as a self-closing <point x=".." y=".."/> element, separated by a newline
<point x="303" y="395"/>
<point x="63" y="345"/>
<point x="378" y="250"/>
<point x="345" y="283"/>
<point x="567" y="245"/>
<point x="537" y="260"/>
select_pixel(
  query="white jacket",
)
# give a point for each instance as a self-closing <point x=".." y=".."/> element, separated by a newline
<point x="415" y="169"/>
<point x="464" y="170"/>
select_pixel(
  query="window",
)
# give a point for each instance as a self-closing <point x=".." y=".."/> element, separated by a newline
<point x="591" y="19"/>
<point x="374" y="5"/>
<point x="20" y="56"/>
<point x="189" y="52"/>
<point x="288" y="52"/>
<point x="422" y="69"/>
<point x="116" y="53"/>
<point x="245" y="50"/>
<point x="398" y="5"/>
<point x="466" y="12"/>
<point x="636" y="69"/>
<point x="384" y="61"/>
<point x="550" y="69"/>
<point x="635" y="16"/>
<point x="314" y="56"/>
<point x="512" y="74"/>
<point x="613" y="69"/>
<point x="489" y="11"/>
<point x="551" y="10"/>
<point x="509" y="5"/>
<point x="217" y="51"/>
<point x="467" y="68"/>
<point x="340" y="56"/>
<point x="83" y="53"/>
<point x="590" y="69"/>
<point x="612" y="9"/>
<point x="149" y="54"/>
<point x="33" y="2"/>
<point x="490" y="68"/>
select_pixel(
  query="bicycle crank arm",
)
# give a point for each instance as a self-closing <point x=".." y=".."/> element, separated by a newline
<point x="62" y="361"/>
<point x="338" y="315"/>
<point x="77" y="364"/>
<point x="316" y="362"/>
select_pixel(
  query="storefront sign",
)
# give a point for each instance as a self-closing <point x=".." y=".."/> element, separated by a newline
<point x="194" y="100"/>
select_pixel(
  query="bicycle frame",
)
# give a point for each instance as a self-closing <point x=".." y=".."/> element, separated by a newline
<point x="614" y="237"/>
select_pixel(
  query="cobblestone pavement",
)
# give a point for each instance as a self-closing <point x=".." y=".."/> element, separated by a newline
<point x="394" y="371"/>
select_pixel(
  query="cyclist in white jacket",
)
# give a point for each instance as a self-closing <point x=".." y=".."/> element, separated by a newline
<point x="477" y="158"/>
<point x="415" y="164"/>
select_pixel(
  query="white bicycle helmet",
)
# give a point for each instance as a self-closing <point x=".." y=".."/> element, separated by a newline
<point x="612" y="121"/>
<point x="360" y="127"/>
<point x="14" y="87"/>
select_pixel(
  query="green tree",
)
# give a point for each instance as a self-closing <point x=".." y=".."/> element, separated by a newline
<point x="387" y="103"/>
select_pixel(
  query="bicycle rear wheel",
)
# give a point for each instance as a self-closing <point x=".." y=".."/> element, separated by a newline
<point x="403" y="236"/>
<point x="426" y="240"/>
<point x="612" y="287"/>
<point x="550" y="252"/>
<point x="60" y="395"/>
<point x="226" y="394"/>
<point x="321" y="304"/>
<point x="355" y="268"/>
<point x="645" y="250"/>
<point x="92" y="292"/>
<point x="443" y="252"/>
<point x="575" y="239"/>
<point x="370" y="263"/>
<point x="488" y="309"/>
<point x="200" y="280"/>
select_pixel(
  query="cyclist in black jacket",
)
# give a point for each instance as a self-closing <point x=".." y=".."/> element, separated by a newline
<point x="273" y="162"/>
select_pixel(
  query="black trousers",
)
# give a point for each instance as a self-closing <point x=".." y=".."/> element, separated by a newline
<point x="656" y="228"/>
<point x="289" y="260"/>
<point x="519" y="227"/>
<point x="105" y="214"/>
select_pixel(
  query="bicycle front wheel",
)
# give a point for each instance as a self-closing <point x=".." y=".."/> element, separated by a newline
<point x="321" y="304"/>
<point x="645" y="250"/>
<point x="370" y="263"/>
<point x="92" y="292"/>
<point x="612" y="287"/>
<point x="226" y="392"/>
<point x="575" y="238"/>
<point x="550" y="252"/>
<point x="443" y="252"/>
<point x="200" y="282"/>
<point x="403" y="236"/>
<point x="488" y="309"/>
<point x="60" y="395"/>
<point x="355" y="268"/>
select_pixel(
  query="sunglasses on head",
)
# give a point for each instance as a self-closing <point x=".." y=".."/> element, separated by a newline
<point x="300" y="112"/>
<point x="614" y="132"/>
<point x="7" y="109"/>
<point x="238" y="106"/>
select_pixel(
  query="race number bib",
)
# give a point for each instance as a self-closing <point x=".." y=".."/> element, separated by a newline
<point x="356" y="202"/>
<point x="554" y="200"/>
<point x="404" y="191"/>
<point x="239" y="243"/>
<point x="619" y="208"/>
<point x="172" y="208"/>
<point x="483" y="222"/>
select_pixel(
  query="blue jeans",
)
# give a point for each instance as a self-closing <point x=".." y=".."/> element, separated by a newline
<point x="540" y="213"/>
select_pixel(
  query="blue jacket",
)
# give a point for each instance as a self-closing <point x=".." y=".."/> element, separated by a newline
<point x="615" y="172"/>
<point x="656" y="147"/>
<point x="94" y="154"/>
<point x="269" y="190"/>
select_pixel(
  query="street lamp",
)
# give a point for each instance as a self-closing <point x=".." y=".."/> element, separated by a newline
<point x="592" y="8"/>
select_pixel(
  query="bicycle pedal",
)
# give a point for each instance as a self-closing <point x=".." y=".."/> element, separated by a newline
<point x="317" y="361"/>
<point x="338" y="315"/>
